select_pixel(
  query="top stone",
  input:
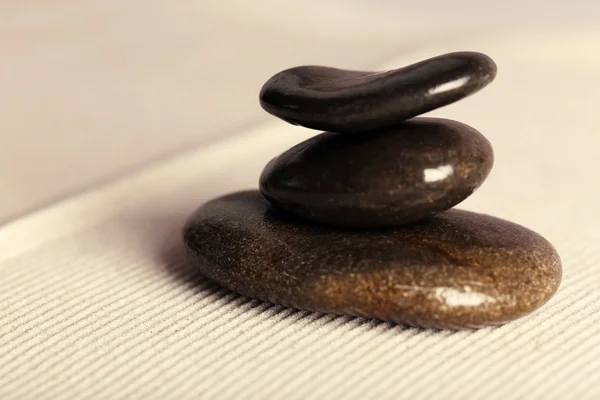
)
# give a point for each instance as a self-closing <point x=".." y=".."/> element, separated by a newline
<point x="354" y="101"/>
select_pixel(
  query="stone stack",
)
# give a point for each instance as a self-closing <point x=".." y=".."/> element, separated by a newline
<point x="358" y="221"/>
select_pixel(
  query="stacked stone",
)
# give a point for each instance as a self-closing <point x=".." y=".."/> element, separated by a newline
<point x="357" y="219"/>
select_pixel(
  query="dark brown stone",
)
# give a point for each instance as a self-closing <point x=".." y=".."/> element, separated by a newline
<point x="385" y="178"/>
<point x="455" y="270"/>
<point x="354" y="101"/>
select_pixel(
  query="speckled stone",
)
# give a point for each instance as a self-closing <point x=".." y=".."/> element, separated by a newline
<point x="354" y="101"/>
<point x="385" y="178"/>
<point x="455" y="270"/>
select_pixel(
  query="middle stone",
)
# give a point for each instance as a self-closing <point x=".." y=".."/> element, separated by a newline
<point x="390" y="177"/>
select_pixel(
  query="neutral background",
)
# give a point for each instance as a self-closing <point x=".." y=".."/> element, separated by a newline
<point x="118" y="118"/>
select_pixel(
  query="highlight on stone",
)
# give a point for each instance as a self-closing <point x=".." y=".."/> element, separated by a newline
<point x="358" y="220"/>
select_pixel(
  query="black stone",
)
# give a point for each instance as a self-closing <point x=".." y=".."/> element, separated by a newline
<point x="455" y="270"/>
<point x="354" y="101"/>
<point x="388" y="177"/>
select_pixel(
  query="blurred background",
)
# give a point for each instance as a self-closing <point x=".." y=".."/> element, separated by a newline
<point x="94" y="89"/>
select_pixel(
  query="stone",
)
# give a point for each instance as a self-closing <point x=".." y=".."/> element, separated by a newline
<point x="340" y="100"/>
<point x="456" y="270"/>
<point x="386" y="178"/>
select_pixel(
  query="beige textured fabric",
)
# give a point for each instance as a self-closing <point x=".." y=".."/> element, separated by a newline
<point x="97" y="302"/>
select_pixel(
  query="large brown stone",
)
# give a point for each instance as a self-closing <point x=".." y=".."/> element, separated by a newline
<point x="455" y="270"/>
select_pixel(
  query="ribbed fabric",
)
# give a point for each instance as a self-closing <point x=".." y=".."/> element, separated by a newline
<point x="97" y="302"/>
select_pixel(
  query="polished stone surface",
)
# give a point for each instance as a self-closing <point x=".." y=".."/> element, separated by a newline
<point x="354" y="101"/>
<point x="455" y="270"/>
<point x="384" y="178"/>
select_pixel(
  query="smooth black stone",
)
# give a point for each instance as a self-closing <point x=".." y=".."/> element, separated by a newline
<point x="354" y="101"/>
<point x="456" y="270"/>
<point x="385" y="178"/>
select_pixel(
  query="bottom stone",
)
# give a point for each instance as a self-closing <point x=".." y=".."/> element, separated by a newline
<point x="456" y="270"/>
